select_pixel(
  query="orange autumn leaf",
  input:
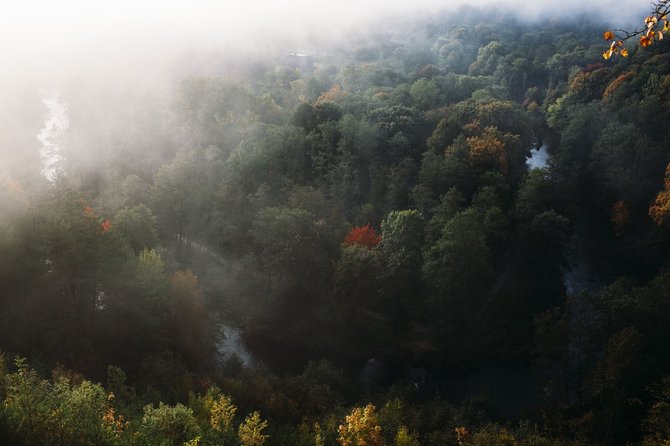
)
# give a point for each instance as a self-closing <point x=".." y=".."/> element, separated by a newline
<point x="608" y="35"/>
<point x="106" y="225"/>
<point x="646" y="40"/>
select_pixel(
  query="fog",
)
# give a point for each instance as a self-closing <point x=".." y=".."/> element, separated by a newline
<point x="309" y="205"/>
<point x="46" y="40"/>
<point x="101" y="48"/>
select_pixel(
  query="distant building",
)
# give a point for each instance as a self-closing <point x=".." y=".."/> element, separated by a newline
<point x="301" y="61"/>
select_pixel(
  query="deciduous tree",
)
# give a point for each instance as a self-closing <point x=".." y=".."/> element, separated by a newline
<point x="360" y="428"/>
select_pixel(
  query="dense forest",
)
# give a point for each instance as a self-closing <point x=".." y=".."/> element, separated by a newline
<point x="448" y="230"/>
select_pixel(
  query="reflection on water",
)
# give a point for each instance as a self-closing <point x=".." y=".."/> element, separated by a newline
<point x="538" y="158"/>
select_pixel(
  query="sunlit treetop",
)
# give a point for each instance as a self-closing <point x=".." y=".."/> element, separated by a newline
<point x="655" y="25"/>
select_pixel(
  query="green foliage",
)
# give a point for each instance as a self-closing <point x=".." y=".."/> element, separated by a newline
<point x="357" y="268"/>
<point x="26" y="404"/>
<point x="402" y="237"/>
<point x="291" y="242"/>
<point x="494" y="435"/>
<point x="444" y="134"/>
<point x="81" y="411"/>
<point x="657" y="421"/>
<point x="3" y="373"/>
<point x="183" y="191"/>
<point x="58" y="412"/>
<point x="124" y="395"/>
<point x="167" y="425"/>
<point x="137" y="226"/>
<point x="404" y="438"/>
<point x="425" y="93"/>
<point x="235" y="210"/>
<point x="150" y="272"/>
<point x="305" y="117"/>
<point x="457" y="265"/>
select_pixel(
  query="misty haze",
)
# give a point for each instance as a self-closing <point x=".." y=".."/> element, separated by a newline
<point x="355" y="223"/>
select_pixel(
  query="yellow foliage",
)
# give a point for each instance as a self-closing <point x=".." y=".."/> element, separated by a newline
<point x="660" y="210"/>
<point x="250" y="431"/>
<point x="112" y="422"/>
<point x="194" y="442"/>
<point x="615" y="46"/>
<point x="335" y="94"/>
<point x="360" y="428"/>
<point x="318" y="438"/>
<point x="488" y="150"/>
<point x="222" y="412"/>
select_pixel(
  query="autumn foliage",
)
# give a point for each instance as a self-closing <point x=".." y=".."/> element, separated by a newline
<point x="488" y="150"/>
<point x="89" y="212"/>
<point x="360" y="428"/>
<point x="660" y="210"/>
<point x="335" y="94"/>
<point x="655" y="25"/>
<point x="362" y="236"/>
<point x="615" y="84"/>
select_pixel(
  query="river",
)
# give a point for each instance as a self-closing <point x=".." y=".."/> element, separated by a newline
<point x="53" y="134"/>
<point x="232" y="345"/>
<point x="539" y="158"/>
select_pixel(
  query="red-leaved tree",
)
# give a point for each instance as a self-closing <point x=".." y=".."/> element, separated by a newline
<point x="363" y="236"/>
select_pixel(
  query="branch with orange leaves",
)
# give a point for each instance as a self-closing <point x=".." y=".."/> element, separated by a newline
<point x="655" y="25"/>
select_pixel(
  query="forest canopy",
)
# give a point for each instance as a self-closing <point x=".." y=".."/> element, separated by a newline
<point x="452" y="230"/>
